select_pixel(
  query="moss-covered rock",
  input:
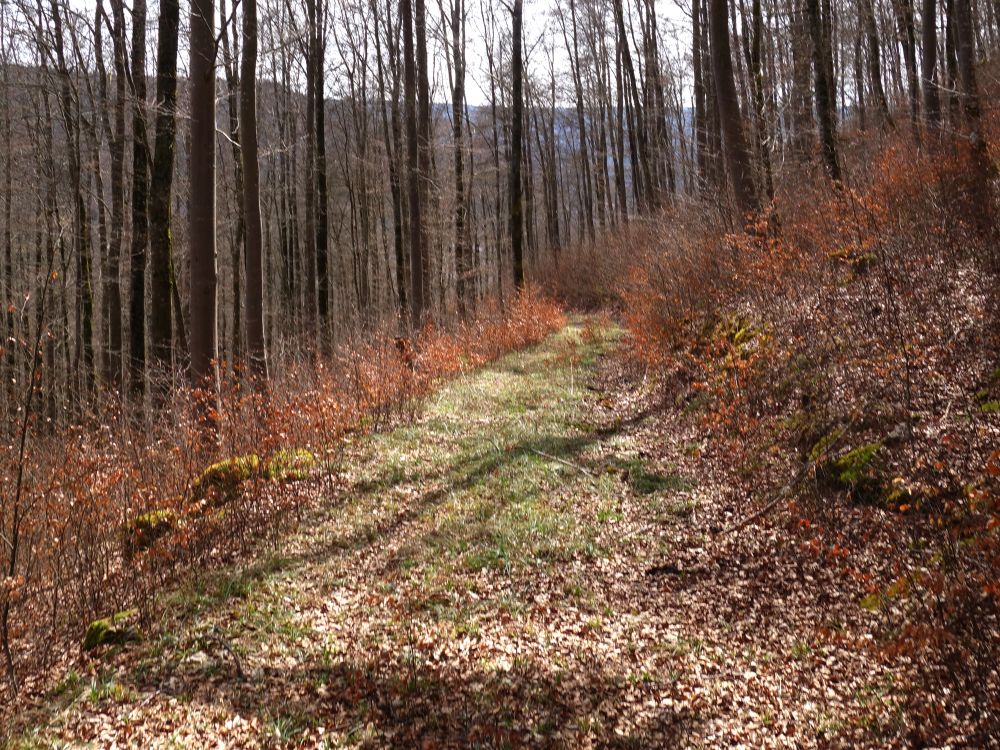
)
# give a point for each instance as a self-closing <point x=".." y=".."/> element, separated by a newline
<point x="143" y="532"/>
<point x="111" y="630"/>
<point x="221" y="482"/>
<point x="825" y="444"/>
<point x="287" y="465"/>
<point x="738" y="330"/>
<point x="857" y="472"/>
<point x="856" y="258"/>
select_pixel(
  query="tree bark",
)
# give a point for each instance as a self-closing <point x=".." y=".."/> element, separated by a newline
<point x="516" y="207"/>
<point x="734" y="143"/>
<point x="140" y="215"/>
<point x="423" y="150"/>
<point x="413" y="169"/>
<point x="319" y="172"/>
<point x="824" y="107"/>
<point x="161" y="184"/>
<point x="875" y="63"/>
<point x="256" y="348"/>
<point x="928" y="64"/>
<point x="201" y="232"/>
<point x="112" y="280"/>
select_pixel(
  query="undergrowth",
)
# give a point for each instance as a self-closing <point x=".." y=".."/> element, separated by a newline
<point x="846" y="343"/>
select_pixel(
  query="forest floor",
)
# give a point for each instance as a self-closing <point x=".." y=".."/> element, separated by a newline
<point x="538" y="560"/>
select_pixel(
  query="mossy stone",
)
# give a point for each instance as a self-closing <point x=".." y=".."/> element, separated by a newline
<point x="220" y="483"/>
<point x="110" y="631"/>
<point x="856" y="472"/>
<point x="822" y="446"/>
<point x="286" y="465"/>
<point x="143" y="532"/>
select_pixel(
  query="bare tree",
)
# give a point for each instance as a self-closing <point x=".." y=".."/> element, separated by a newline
<point x="251" y="196"/>
<point x="734" y="142"/>
<point x="201" y="212"/>
<point x="516" y="210"/>
<point x="161" y="188"/>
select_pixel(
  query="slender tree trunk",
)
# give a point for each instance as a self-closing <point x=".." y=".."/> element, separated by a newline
<point x="85" y="300"/>
<point x="251" y="197"/>
<point x="201" y="231"/>
<point x="112" y="281"/>
<point x="760" y="112"/>
<point x="581" y="124"/>
<point x="319" y="172"/>
<point x="230" y="65"/>
<point x="462" y="264"/>
<point x="824" y="107"/>
<point x="904" y="21"/>
<point x="700" y="125"/>
<point x="160" y="319"/>
<point x="413" y="168"/>
<point x="951" y="62"/>
<point x="985" y="171"/>
<point x="423" y="150"/>
<point x="928" y="64"/>
<point x="802" y="99"/>
<point x="140" y="215"/>
<point x="727" y="101"/>
<point x="516" y="206"/>
<point x="875" y="63"/>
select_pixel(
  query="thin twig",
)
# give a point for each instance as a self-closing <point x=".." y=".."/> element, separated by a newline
<point x="216" y="636"/>
<point x="790" y="487"/>
<point x="563" y="461"/>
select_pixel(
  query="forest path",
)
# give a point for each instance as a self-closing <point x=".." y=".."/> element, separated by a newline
<point x="512" y="569"/>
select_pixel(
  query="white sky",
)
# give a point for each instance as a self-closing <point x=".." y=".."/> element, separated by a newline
<point x="541" y="31"/>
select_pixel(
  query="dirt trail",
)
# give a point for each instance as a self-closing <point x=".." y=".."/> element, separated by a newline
<point x="531" y="563"/>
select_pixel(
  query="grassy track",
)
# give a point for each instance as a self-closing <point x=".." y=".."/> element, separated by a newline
<point x="485" y="577"/>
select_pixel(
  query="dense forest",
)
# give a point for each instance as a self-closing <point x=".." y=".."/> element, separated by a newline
<point x="253" y="255"/>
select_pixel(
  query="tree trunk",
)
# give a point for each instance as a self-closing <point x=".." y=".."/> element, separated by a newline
<point x="462" y="264"/>
<point x="251" y="198"/>
<point x="319" y="172"/>
<point x="824" y="106"/>
<point x="928" y="64"/>
<point x="161" y="184"/>
<point x="112" y="281"/>
<point x="423" y="149"/>
<point x="140" y="216"/>
<point x="413" y="169"/>
<point x="201" y="232"/>
<point x="875" y="63"/>
<point x="516" y="208"/>
<point x="907" y="35"/>
<point x="985" y="171"/>
<point x="734" y="142"/>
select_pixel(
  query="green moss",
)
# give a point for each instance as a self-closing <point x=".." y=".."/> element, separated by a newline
<point x="738" y="330"/>
<point x="990" y="407"/>
<point x="220" y="483"/>
<point x="856" y="471"/>
<point x="110" y="630"/>
<point x="853" y="257"/>
<point x="822" y="446"/>
<point x="143" y="532"/>
<point x="293" y="464"/>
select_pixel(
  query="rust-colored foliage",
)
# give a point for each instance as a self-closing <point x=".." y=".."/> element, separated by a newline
<point x="851" y="333"/>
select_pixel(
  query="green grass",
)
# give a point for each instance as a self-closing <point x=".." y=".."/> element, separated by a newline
<point x="493" y="448"/>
